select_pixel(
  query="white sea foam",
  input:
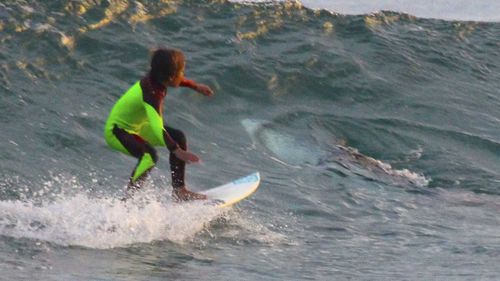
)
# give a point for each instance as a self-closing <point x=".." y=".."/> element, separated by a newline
<point x="485" y="10"/>
<point x="65" y="212"/>
<point x="398" y="176"/>
<point x="104" y="223"/>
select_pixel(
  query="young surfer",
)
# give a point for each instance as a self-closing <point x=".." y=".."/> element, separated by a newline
<point x="135" y="124"/>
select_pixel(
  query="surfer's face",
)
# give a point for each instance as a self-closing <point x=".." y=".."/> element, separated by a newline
<point x="176" y="80"/>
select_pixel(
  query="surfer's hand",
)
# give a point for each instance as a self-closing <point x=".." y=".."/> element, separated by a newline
<point x="204" y="90"/>
<point x="186" y="156"/>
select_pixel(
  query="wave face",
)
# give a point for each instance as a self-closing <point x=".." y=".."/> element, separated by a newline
<point x="376" y="136"/>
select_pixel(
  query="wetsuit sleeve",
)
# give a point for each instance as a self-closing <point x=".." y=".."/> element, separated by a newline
<point x="155" y="121"/>
<point x="153" y="105"/>
<point x="188" y="83"/>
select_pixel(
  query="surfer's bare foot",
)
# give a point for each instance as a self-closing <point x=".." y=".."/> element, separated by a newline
<point x="182" y="194"/>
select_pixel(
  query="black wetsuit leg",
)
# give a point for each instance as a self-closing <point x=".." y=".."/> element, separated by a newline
<point x="137" y="147"/>
<point x="177" y="166"/>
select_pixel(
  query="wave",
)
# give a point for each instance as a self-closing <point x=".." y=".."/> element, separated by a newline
<point x="272" y="61"/>
<point x="445" y="10"/>
<point x="296" y="151"/>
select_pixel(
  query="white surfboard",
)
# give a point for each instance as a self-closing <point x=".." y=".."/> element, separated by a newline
<point x="233" y="192"/>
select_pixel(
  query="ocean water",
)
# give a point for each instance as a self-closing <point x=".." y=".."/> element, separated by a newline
<point x="375" y="129"/>
<point x="460" y="10"/>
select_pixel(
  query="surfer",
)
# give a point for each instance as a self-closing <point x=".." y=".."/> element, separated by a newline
<point x="135" y="123"/>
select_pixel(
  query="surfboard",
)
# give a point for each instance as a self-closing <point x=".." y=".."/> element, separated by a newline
<point x="233" y="192"/>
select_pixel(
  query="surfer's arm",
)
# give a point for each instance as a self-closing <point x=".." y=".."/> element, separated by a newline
<point x="156" y="122"/>
<point x="169" y="142"/>
<point x="200" y="88"/>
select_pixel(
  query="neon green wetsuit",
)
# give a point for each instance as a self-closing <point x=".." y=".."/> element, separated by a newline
<point x="135" y="125"/>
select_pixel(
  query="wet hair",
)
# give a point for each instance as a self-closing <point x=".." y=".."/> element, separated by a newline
<point x="166" y="63"/>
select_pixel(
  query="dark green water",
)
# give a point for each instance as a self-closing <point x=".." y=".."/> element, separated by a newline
<point x="376" y="137"/>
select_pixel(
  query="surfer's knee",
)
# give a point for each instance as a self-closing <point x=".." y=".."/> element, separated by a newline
<point x="152" y="152"/>
<point x="146" y="162"/>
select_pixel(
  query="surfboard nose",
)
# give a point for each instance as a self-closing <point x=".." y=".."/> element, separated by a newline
<point x="234" y="191"/>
